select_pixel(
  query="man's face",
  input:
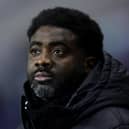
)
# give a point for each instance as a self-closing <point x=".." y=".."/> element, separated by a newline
<point x="55" y="63"/>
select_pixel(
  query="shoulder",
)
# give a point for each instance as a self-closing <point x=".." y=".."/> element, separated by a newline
<point x="107" y="118"/>
<point x="20" y="126"/>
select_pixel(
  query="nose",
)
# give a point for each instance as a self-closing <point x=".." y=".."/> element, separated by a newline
<point x="44" y="62"/>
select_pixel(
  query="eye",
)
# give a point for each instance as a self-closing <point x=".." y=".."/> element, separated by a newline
<point x="35" y="51"/>
<point x="58" y="52"/>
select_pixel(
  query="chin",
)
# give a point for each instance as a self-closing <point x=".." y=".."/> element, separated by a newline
<point x="44" y="91"/>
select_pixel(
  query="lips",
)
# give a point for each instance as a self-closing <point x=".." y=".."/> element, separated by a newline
<point x="42" y="76"/>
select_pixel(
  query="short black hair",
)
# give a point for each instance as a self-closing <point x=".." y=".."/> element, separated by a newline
<point x="90" y="36"/>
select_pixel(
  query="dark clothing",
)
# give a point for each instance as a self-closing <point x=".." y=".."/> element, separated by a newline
<point x="101" y="102"/>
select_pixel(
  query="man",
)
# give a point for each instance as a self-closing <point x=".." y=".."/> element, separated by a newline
<point x="72" y="83"/>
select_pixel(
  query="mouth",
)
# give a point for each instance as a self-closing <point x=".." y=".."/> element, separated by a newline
<point x="42" y="77"/>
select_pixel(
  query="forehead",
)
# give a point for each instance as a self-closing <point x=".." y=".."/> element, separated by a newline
<point x="52" y="33"/>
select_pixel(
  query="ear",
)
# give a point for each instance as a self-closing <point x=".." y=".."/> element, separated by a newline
<point x="89" y="63"/>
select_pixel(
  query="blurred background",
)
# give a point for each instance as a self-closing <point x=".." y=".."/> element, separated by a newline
<point x="15" y="17"/>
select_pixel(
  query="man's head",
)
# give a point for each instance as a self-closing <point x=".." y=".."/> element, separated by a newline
<point x="65" y="44"/>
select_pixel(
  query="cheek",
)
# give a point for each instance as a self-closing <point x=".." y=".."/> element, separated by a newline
<point x="30" y="67"/>
<point x="68" y="65"/>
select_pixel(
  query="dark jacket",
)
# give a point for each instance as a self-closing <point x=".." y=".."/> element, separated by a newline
<point x="101" y="102"/>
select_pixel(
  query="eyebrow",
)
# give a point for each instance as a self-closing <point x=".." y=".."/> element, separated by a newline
<point x="57" y="43"/>
<point x="52" y="44"/>
<point x="35" y="43"/>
